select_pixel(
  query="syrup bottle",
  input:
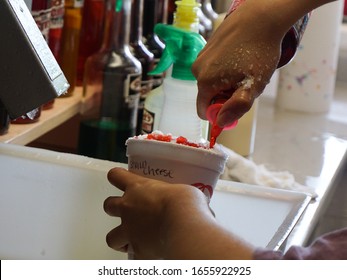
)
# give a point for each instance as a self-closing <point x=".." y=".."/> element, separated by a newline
<point x="155" y="11"/>
<point x="41" y="12"/>
<point x="70" y="41"/>
<point x="185" y="17"/>
<point x="56" y="27"/>
<point x="4" y="119"/>
<point x="179" y="115"/>
<point x="170" y="11"/>
<point x="141" y="52"/>
<point x="151" y="16"/>
<point x="162" y="11"/>
<point x="91" y="33"/>
<point x="112" y="79"/>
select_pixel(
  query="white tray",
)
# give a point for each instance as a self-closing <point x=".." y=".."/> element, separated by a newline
<point x="51" y="207"/>
<point x="261" y="215"/>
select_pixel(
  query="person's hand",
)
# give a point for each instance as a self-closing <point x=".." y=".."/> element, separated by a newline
<point x="239" y="60"/>
<point x="150" y="210"/>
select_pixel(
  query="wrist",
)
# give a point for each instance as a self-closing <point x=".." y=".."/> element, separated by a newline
<point x="185" y="216"/>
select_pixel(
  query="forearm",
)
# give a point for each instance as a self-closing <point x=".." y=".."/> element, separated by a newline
<point x="206" y="240"/>
<point x="284" y="13"/>
<point x="192" y="232"/>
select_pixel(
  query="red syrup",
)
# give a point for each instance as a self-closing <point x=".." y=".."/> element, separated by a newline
<point x="216" y="130"/>
<point x="211" y="113"/>
<point x="168" y="138"/>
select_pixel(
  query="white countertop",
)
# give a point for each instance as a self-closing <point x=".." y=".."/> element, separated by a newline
<point x="310" y="146"/>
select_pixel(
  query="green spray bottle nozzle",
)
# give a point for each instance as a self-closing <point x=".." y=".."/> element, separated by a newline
<point x="181" y="49"/>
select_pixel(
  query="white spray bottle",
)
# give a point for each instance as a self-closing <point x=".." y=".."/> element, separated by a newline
<point x="185" y="17"/>
<point x="179" y="115"/>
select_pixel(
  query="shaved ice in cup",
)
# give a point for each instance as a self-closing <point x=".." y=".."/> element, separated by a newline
<point x="174" y="159"/>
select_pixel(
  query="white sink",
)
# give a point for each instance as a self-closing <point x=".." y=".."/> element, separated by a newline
<point x="51" y="207"/>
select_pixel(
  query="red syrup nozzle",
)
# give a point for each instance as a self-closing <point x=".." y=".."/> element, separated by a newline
<point x="211" y="114"/>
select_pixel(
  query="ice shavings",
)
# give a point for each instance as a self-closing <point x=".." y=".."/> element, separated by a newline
<point x="246" y="83"/>
<point x="241" y="169"/>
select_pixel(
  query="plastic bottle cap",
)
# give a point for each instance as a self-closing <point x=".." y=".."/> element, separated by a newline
<point x="212" y="112"/>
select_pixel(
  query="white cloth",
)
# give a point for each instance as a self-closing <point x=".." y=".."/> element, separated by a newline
<point x="241" y="169"/>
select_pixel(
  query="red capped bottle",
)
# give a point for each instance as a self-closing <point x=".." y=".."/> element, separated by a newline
<point x="56" y="27"/>
<point x="41" y="12"/>
<point x="113" y="82"/>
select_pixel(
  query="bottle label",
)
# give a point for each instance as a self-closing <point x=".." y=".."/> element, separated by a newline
<point x="133" y="93"/>
<point x="120" y="96"/>
<point x="78" y="3"/>
<point x="43" y="21"/>
<point x="148" y="121"/>
<point x="74" y="3"/>
<point x="157" y="79"/>
<point x="146" y="87"/>
<point x="57" y="15"/>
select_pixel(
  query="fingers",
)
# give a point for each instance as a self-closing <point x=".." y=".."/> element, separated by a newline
<point x="122" y="178"/>
<point x="117" y="239"/>
<point x="112" y="206"/>
<point x="116" y="177"/>
<point x="235" y="107"/>
<point x="203" y="101"/>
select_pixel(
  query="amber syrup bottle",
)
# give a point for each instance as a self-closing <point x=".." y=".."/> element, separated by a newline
<point x="113" y="82"/>
<point x="141" y="52"/>
<point x="70" y="42"/>
<point x="91" y="33"/>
